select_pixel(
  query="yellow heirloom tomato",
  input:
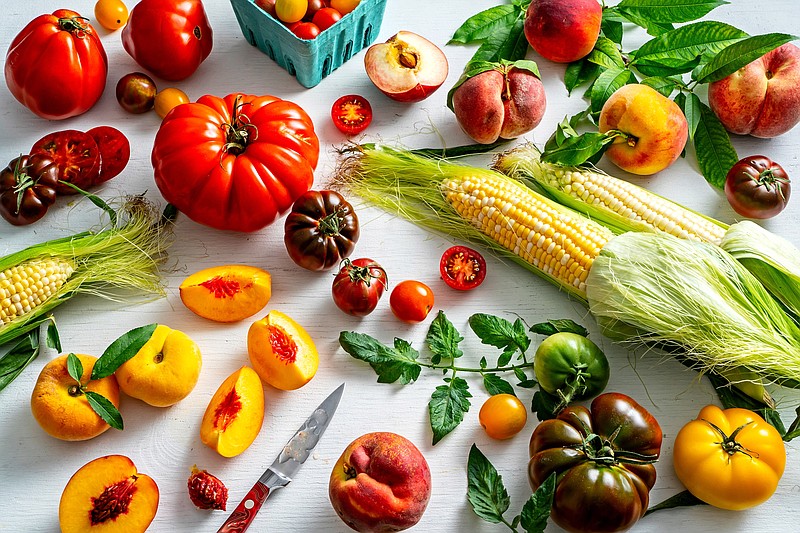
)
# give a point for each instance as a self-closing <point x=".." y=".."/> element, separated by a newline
<point x="730" y="459"/>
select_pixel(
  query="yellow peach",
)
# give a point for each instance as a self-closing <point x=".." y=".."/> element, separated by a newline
<point x="227" y="293"/>
<point x="282" y="352"/>
<point x="164" y="371"/>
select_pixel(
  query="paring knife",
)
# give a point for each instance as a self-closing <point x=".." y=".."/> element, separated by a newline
<point x="285" y="466"/>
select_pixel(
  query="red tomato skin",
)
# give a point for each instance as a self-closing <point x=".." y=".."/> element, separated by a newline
<point x="54" y="72"/>
<point x="358" y="286"/>
<point x="351" y="114"/>
<point x="757" y="187"/>
<point x="306" y="30"/>
<point x="411" y="301"/>
<point x="115" y="151"/>
<point x="170" y="38"/>
<point x="326" y="17"/>
<point x="221" y="189"/>
<point x="462" y="268"/>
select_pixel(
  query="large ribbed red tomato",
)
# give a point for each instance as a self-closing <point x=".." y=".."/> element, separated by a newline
<point x="235" y="163"/>
<point x="56" y="66"/>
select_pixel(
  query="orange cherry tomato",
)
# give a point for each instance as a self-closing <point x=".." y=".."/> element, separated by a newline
<point x="411" y="301"/>
<point x="167" y="99"/>
<point x="502" y="416"/>
<point x="291" y="10"/>
<point x="351" y="114"/>
<point x="344" y="6"/>
<point x="111" y="14"/>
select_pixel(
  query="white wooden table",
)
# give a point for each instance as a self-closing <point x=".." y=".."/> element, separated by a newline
<point x="165" y="443"/>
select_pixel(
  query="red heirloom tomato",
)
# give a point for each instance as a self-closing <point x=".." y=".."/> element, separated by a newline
<point x="351" y="114"/>
<point x="603" y="459"/>
<point x="27" y="188"/>
<point x="411" y="301"/>
<point x="115" y="151"/>
<point x="56" y="66"/>
<point x="170" y="38"/>
<point x="235" y="163"/>
<point x="757" y="187"/>
<point x="358" y="286"/>
<point x="321" y="230"/>
<point x="77" y="156"/>
<point x="462" y="268"/>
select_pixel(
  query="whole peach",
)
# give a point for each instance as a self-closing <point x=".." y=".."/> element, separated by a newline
<point x="381" y="483"/>
<point x="653" y="129"/>
<point x="499" y="103"/>
<point x="761" y="99"/>
<point x="563" y="30"/>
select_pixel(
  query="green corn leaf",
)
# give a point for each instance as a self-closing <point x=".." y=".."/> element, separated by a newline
<point x="447" y="406"/>
<point x="606" y="84"/>
<point x="486" y="493"/>
<point x="666" y="12"/>
<point x="496" y="385"/>
<point x="122" y="349"/>
<point x="536" y="510"/>
<point x="53" y="338"/>
<point x="18" y="357"/>
<point x="443" y="339"/>
<point x="715" y="153"/>
<point x="739" y="54"/>
<point x="104" y="409"/>
<point x="689" y="42"/>
<point x="75" y="368"/>
<point x="482" y="25"/>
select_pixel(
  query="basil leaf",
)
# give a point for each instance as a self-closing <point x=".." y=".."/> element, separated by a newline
<point x="505" y="43"/>
<point x="104" y="408"/>
<point x="682" y="499"/>
<point x="664" y="85"/>
<point x="537" y="509"/>
<point x="389" y="363"/>
<point x="712" y="145"/>
<point x="18" y="357"/>
<point x="578" y="150"/>
<point x="75" y="368"/>
<point x="606" y="84"/>
<point x="551" y="327"/>
<point x="443" y="339"/>
<point x="579" y="72"/>
<point x="739" y="54"/>
<point x="668" y="12"/>
<point x="500" y="333"/>
<point x="447" y="407"/>
<point x="486" y="493"/>
<point x="122" y="349"/>
<point x="606" y="54"/>
<point x="691" y="109"/>
<point x="482" y="25"/>
<point x="496" y="385"/>
<point x="53" y="339"/>
<point x="690" y="41"/>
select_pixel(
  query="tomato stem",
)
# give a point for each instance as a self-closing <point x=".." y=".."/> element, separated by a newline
<point x="362" y="273"/>
<point x="729" y="443"/>
<point x="331" y="225"/>
<point x="238" y="132"/>
<point x="78" y="26"/>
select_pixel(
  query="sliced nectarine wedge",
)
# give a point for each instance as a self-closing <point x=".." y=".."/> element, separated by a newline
<point x="227" y="293"/>
<point x="108" y="495"/>
<point x="234" y="415"/>
<point x="282" y="352"/>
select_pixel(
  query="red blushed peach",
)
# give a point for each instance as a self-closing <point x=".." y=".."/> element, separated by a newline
<point x="653" y="129"/>
<point x="563" y="30"/>
<point x="108" y="495"/>
<point x="381" y="483"/>
<point x="227" y="293"/>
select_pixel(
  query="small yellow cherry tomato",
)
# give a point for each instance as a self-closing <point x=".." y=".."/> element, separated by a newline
<point x="344" y="6"/>
<point x="167" y="99"/>
<point x="730" y="459"/>
<point x="111" y="14"/>
<point x="290" y="11"/>
<point x="503" y="416"/>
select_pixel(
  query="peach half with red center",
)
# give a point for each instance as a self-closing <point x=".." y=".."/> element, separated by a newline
<point x="282" y="352"/>
<point x="227" y="293"/>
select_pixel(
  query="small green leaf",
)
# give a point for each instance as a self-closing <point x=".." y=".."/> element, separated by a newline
<point x="537" y="509"/>
<point x="739" y="54"/>
<point x="651" y="27"/>
<point x="482" y="25"/>
<point x="606" y="54"/>
<point x="496" y="385"/>
<point x="666" y="66"/>
<point x="505" y="358"/>
<point x="447" y="407"/>
<point x="520" y="374"/>
<point x="580" y="72"/>
<point x="500" y="333"/>
<point x="578" y="150"/>
<point x="53" y="339"/>
<point x="712" y="145"/>
<point x="664" y="85"/>
<point x="443" y="339"/>
<point x="18" y="357"/>
<point x="486" y="493"/>
<point x="663" y="12"/>
<point x="794" y="428"/>
<point x="690" y="41"/>
<point x="483" y="362"/>
<point x="691" y="109"/>
<point x="389" y="363"/>
<point x="551" y="327"/>
<point x="527" y="384"/>
<point x="122" y="349"/>
<point x="544" y="405"/>
<point x="682" y="499"/>
<point x="506" y="43"/>
<point x="611" y="25"/>
<point x="104" y="409"/>
<point x="606" y="84"/>
<point x="75" y="368"/>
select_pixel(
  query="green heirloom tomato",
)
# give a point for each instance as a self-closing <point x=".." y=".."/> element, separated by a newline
<point x="571" y="367"/>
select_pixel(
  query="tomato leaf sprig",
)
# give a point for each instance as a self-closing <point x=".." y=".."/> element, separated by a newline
<point x="488" y="497"/>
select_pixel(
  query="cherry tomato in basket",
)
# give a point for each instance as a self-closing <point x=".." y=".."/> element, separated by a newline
<point x="168" y="98"/>
<point x="136" y="92"/>
<point x="115" y="151"/>
<point x="757" y="187"/>
<point x="291" y="10"/>
<point x="313" y="7"/>
<point x="351" y="114"/>
<point x="267" y="5"/>
<point x="411" y="301"/>
<point x="358" y="286"/>
<point x="462" y="268"/>
<point x="326" y="17"/>
<point x="27" y="188"/>
<point x="306" y="30"/>
<point x="77" y="155"/>
<point x="502" y="416"/>
<point x="344" y="6"/>
<point x="111" y="14"/>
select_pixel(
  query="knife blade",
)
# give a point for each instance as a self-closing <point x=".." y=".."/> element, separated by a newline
<point x="285" y="466"/>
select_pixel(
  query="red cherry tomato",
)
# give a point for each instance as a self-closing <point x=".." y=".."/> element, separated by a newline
<point x="351" y="114"/>
<point x="313" y="7"/>
<point x="326" y="17"/>
<point x="462" y="268"/>
<point x="77" y="155"/>
<point x="115" y="151"/>
<point x="306" y="30"/>
<point x="757" y="187"/>
<point x="358" y="286"/>
<point x="411" y="301"/>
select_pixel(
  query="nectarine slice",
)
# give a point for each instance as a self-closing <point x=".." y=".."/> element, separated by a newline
<point x="227" y="293"/>
<point x="108" y="495"/>
<point x="235" y="413"/>
<point x="282" y="352"/>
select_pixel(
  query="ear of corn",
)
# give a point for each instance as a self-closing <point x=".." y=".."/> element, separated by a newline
<point x="28" y="285"/>
<point x="614" y="202"/>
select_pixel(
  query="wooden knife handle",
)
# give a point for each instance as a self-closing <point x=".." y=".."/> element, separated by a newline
<point x="243" y="515"/>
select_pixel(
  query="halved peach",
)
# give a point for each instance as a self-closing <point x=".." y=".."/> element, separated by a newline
<point x="282" y="352"/>
<point x="227" y="293"/>
<point x="108" y="495"/>
<point x="235" y="413"/>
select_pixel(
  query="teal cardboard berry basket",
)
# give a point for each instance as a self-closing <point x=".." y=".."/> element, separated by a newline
<point x="313" y="59"/>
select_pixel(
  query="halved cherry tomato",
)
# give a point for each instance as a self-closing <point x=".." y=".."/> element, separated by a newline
<point x="502" y="416"/>
<point x="115" y="151"/>
<point x="77" y="155"/>
<point x="111" y="14"/>
<point x="411" y="301"/>
<point x="326" y="17"/>
<point x="351" y="114"/>
<point x="306" y="30"/>
<point x="462" y="268"/>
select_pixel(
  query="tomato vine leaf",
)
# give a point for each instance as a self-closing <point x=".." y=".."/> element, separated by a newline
<point x="486" y="493"/>
<point x="501" y="333"/>
<point x="496" y="385"/>
<point x="443" y="339"/>
<point x="447" y="406"/>
<point x="537" y="509"/>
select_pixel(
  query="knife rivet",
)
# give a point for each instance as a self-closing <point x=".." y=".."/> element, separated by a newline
<point x="248" y="504"/>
